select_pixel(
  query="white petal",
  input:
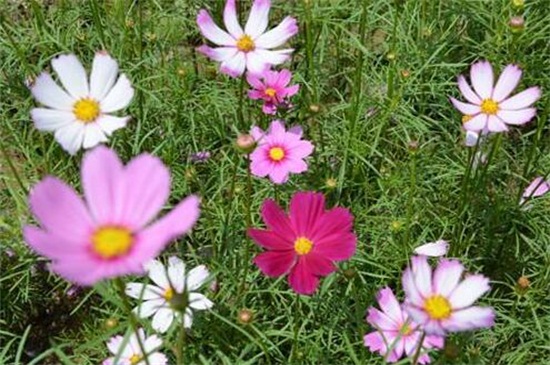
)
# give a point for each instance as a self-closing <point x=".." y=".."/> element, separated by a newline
<point x="255" y="63"/>
<point x="477" y="123"/>
<point x="51" y="119"/>
<point x="71" y="137"/>
<point x="176" y="273"/>
<point x="157" y="273"/>
<point x="274" y="57"/>
<point x="465" y="108"/>
<point x="517" y="117"/>
<point x="234" y="66"/>
<point x="134" y="290"/>
<point x="482" y="78"/>
<point x="212" y="32"/>
<point x="507" y="82"/>
<point x="103" y="76"/>
<point x="258" y="18"/>
<point x="422" y="273"/>
<point x="522" y="100"/>
<point x="278" y="35"/>
<point x="494" y="124"/>
<point x="230" y="19"/>
<point x="147" y="308"/>
<point x="152" y="343"/>
<point x="219" y="54"/>
<point x="467" y="91"/>
<point x="199" y="302"/>
<point x="119" y="97"/>
<point x="471" y="138"/>
<point x="468" y="291"/>
<point x="163" y="319"/>
<point x="109" y="123"/>
<point x="434" y="249"/>
<point x="47" y="92"/>
<point x="114" y="344"/>
<point x="197" y="277"/>
<point x="188" y="318"/>
<point x="93" y="135"/>
<point x="72" y="75"/>
<point x="446" y="276"/>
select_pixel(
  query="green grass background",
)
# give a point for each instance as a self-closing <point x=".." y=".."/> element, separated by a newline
<point x="378" y="98"/>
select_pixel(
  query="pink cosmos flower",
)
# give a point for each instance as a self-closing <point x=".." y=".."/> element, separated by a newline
<point x="305" y="243"/>
<point x="397" y="331"/>
<point x="279" y="152"/>
<point x="111" y="233"/>
<point x="273" y="90"/>
<point x="489" y="107"/>
<point x="249" y="48"/>
<point x="440" y="303"/>
<point x="538" y="187"/>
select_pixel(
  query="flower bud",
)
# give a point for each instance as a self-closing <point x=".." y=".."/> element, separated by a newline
<point x="245" y="143"/>
<point x="314" y="108"/>
<point x="519" y="4"/>
<point x="331" y="183"/>
<point x="523" y="283"/>
<point x="245" y="316"/>
<point x="517" y="23"/>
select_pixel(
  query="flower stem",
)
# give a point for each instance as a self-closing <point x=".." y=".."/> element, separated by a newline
<point x="241" y="104"/>
<point x="410" y="200"/>
<point x="181" y="342"/>
<point x="131" y="316"/>
<point x="14" y="170"/>
<point x="248" y="199"/>
<point x="418" y="349"/>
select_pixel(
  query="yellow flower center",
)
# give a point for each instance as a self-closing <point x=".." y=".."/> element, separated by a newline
<point x="438" y="307"/>
<point x="302" y="246"/>
<point x="276" y="153"/>
<point x="168" y="294"/>
<point x="245" y="44"/>
<point x="466" y="118"/>
<point x="86" y="110"/>
<point x="406" y="330"/>
<point x="135" y="359"/>
<point x="270" y="92"/>
<point x="489" y="106"/>
<point x="112" y="242"/>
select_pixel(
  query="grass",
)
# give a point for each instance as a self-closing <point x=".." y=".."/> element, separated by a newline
<point x="385" y="133"/>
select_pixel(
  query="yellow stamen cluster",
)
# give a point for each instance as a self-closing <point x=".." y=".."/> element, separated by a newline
<point x="303" y="246"/>
<point x="111" y="242"/>
<point x="489" y="106"/>
<point x="135" y="359"/>
<point x="86" y="110"/>
<point x="276" y="154"/>
<point x="245" y="44"/>
<point x="270" y="92"/>
<point x="438" y="307"/>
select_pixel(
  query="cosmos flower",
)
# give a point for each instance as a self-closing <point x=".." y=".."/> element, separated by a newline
<point x="306" y="243"/>
<point x="251" y="48"/>
<point x="538" y="187"/>
<point x="433" y="249"/>
<point x="199" y="157"/>
<point x="112" y="233"/>
<point x="80" y="117"/>
<point x="490" y="107"/>
<point x="174" y="293"/>
<point x="279" y="152"/>
<point x="272" y="87"/>
<point x="394" y="329"/>
<point x="129" y="353"/>
<point x="441" y="302"/>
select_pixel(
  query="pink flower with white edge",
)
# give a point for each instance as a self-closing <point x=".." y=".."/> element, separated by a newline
<point x="128" y="352"/>
<point x="272" y="87"/>
<point x="112" y="232"/>
<point x="441" y="302"/>
<point x="538" y="187"/>
<point x="251" y="48"/>
<point x="490" y="107"/>
<point x="396" y="331"/>
<point x="80" y="116"/>
<point x="279" y="152"/>
<point x="433" y="249"/>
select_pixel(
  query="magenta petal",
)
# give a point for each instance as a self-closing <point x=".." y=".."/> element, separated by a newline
<point x="375" y="342"/>
<point x="302" y="280"/>
<point x="277" y="221"/>
<point x="275" y="263"/>
<point x="270" y="240"/>
<point x="319" y="265"/>
<point x="389" y="304"/>
<point x="305" y="210"/>
<point x="381" y="320"/>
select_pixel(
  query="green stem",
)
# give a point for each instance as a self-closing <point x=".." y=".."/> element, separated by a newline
<point x="14" y="170"/>
<point x="131" y="316"/>
<point x="419" y="349"/>
<point x="246" y="253"/>
<point x="181" y="342"/>
<point x="241" y="104"/>
<point x="410" y="200"/>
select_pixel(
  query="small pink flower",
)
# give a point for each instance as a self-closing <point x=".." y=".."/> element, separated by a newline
<point x="279" y="152"/>
<point x="249" y="48"/>
<point x="397" y="331"/>
<point x="538" y="187"/>
<point x="433" y="249"/>
<point x="305" y="243"/>
<point x="112" y="233"/>
<point x="439" y="302"/>
<point x="489" y="106"/>
<point x="273" y="90"/>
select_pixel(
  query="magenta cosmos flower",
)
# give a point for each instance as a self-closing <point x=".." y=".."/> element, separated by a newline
<point x="396" y="330"/>
<point x="279" y="152"/>
<point x="440" y="303"/>
<point x="305" y="243"/>
<point x="112" y="233"/>
<point x="489" y="107"/>
<point x="250" y="48"/>
<point x="272" y="87"/>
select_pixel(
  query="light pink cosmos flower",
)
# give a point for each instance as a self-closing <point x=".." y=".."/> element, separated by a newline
<point x="112" y="233"/>
<point x="305" y="243"/>
<point x="272" y="88"/>
<point x="129" y="353"/>
<point x="538" y="187"/>
<point x="433" y="249"/>
<point x="489" y="106"/>
<point x="279" y="152"/>
<point x="397" y="331"/>
<point x="250" y="48"/>
<point x="439" y="302"/>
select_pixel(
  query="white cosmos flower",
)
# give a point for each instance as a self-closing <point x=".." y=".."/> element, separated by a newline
<point x="79" y="115"/>
<point x="173" y="287"/>
<point x="250" y="48"/>
<point x="128" y="352"/>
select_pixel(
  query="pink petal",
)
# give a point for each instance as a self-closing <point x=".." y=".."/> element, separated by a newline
<point x="467" y="292"/>
<point x="469" y="319"/>
<point x="284" y="77"/>
<point x="381" y="320"/>
<point x="306" y="209"/>
<point x="477" y="123"/>
<point x="254" y="81"/>
<point x="270" y="240"/>
<point x="234" y="66"/>
<point x="422" y="272"/>
<point x="296" y="166"/>
<point x="256" y="64"/>
<point x="52" y="246"/>
<point x="375" y="342"/>
<point x="481" y="75"/>
<point x="278" y="35"/>
<point x="465" y="108"/>
<point x="260" y="165"/>
<point x="292" y="90"/>
<point x="258" y="18"/>
<point x="389" y="304"/>
<point x="212" y="32"/>
<point x="231" y="20"/>
<point x="538" y="187"/>
<point x="522" y="100"/>
<point x="301" y="149"/>
<point x="220" y="54"/>
<point x="302" y="280"/>
<point x="318" y="265"/>
<point x="274" y="57"/>
<point x="332" y="235"/>
<point x="517" y="117"/>
<point x="279" y="174"/>
<point x="417" y="314"/>
<point x="446" y="276"/>
<point x="507" y="82"/>
<point x="467" y="91"/>
<point x="410" y="289"/>
<point x="277" y="221"/>
<point x="275" y="263"/>
<point x="494" y="124"/>
<point x="60" y="210"/>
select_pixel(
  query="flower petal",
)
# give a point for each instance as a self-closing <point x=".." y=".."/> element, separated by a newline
<point x="109" y="123"/>
<point x="231" y="21"/>
<point x="197" y="277"/>
<point x="212" y="32"/>
<point x="302" y="280"/>
<point x="467" y="91"/>
<point x="537" y="187"/>
<point x="47" y="92"/>
<point x="318" y="265"/>
<point x="71" y="137"/>
<point x="507" y="82"/>
<point x="465" y="108"/>
<point x="482" y="78"/>
<point x="469" y="319"/>
<point x="477" y="123"/>
<point x="274" y="57"/>
<point x="517" y="117"/>
<point x="275" y="263"/>
<point x="51" y="119"/>
<point x="176" y="273"/>
<point x="278" y="35"/>
<point x="119" y="97"/>
<point x="103" y="76"/>
<point x="468" y="291"/>
<point x="235" y="65"/>
<point x="163" y="319"/>
<point x="93" y="135"/>
<point x="306" y="208"/>
<point x="422" y="272"/>
<point x="157" y="273"/>
<point x="258" y="18"/>
<point x="269" y="240"/>
<point x="332" y="235"/>
<point x="143" y="291"/>
<point x="433" y="249"/>
<point x="446" y="276"/>
<point x="198" y="301"/>
<point x="381" y="320"/>
<point x="277" y="221"/>
<point x="219" y="54"/>
<point x="149" y="307"/>
<point x="495" y="125"/>
<point x="389" y="304"/>
<point x="72" y="75"/>
<point x="410" y="289"/>
<point x="522" y="100"/>
<point x="255" y="63"/>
